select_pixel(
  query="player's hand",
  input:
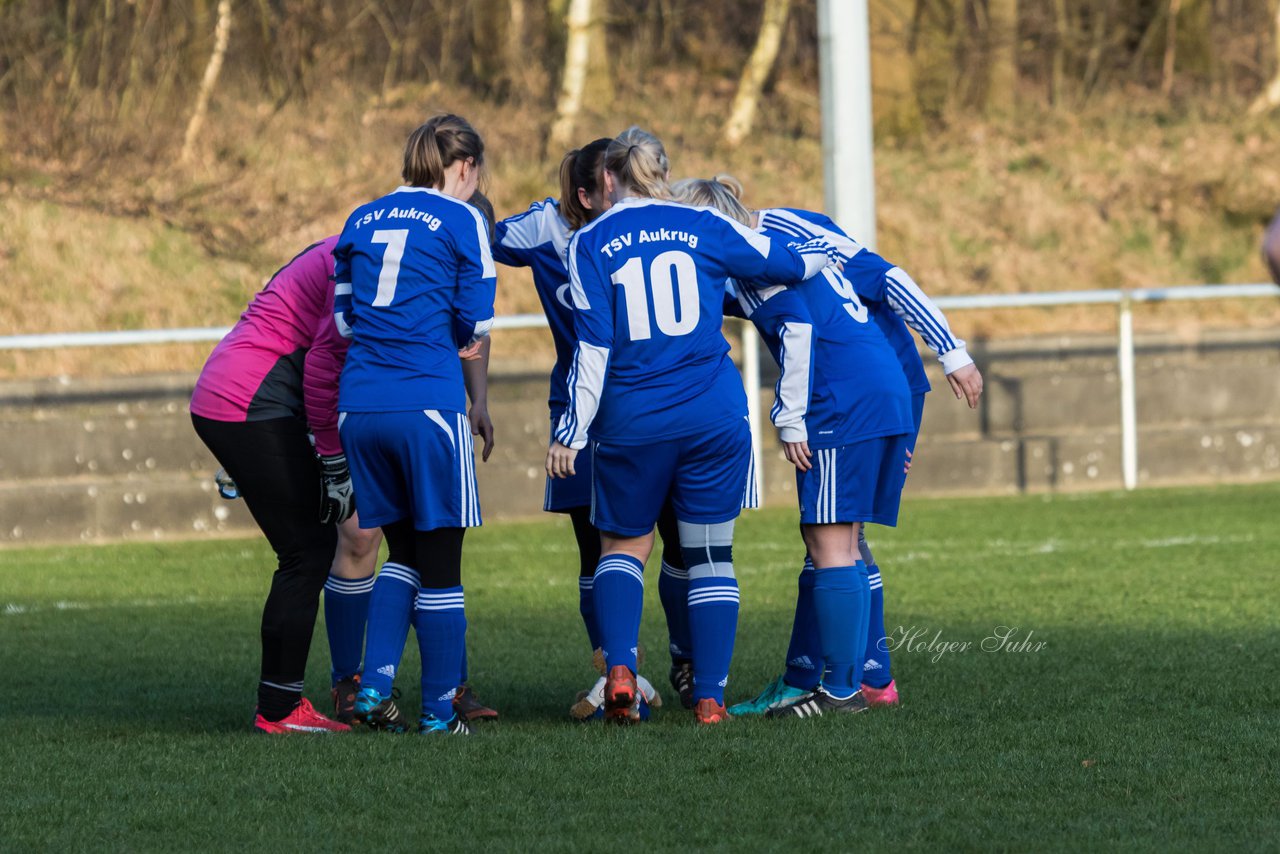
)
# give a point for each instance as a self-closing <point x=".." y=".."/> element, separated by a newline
<point x="798" y="454"/>
<point x="818" y="254"/>
<point x="966" y="384"/>
<point x="482" y="426"/>
<point x="560" y="460"/>
<point x="338" y="501"/>
<point x="471" y="352"/>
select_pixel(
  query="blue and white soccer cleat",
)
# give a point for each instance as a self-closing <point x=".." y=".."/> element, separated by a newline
<point x="431" y="725"/>
<point x="378" y="712"/>
<point x="774" y="696"/>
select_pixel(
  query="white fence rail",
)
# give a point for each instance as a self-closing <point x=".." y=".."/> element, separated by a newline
<point x="1122" y="299"/>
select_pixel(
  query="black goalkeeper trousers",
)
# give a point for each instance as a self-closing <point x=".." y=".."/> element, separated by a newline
<point x="278" y="476"/>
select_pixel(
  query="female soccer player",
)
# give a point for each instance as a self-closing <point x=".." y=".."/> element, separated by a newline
<point x="891" y="296"/>
<point x="539" y="239"/>
<point x="652" y="382"/>
<point x="273" y="378"/>
<point x="414" y="290"/>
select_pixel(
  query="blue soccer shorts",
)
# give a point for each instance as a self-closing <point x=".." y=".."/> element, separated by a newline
<point x="563" y="494"/>
<point x="859" y="482"/>
<point x="917" y="415"/>
<point x="703" y="474"/>
<point x="417" y="465"/>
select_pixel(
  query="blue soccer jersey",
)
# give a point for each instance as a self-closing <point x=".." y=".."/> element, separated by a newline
<point x="539" y="239"/>
<point x="647" y="280"/>
<point x="891" y="297"/>
<point x="414" y="283"/>
<point x="859" y="390"/>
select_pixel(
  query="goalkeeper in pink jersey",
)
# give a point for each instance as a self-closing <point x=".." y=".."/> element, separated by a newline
<point x="266" y="388"/>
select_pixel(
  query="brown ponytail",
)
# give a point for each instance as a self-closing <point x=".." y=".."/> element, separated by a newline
<point x="436" y="145"/>
<point x="640" y="162"/>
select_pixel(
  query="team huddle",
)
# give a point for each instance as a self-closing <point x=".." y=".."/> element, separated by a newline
<point x="359" y="374"/>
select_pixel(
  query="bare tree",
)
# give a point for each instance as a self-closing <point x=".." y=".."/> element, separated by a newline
<point x="754" y="74"/>
<point x="1002" y="54"/>
<point x="1270" y="97"/>
<point x="1170" y="47"/>
<point x="582" y="29"/>
<point x="221" y="36"/>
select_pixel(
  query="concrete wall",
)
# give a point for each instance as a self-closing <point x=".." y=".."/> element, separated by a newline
<point x="111" y="459"/>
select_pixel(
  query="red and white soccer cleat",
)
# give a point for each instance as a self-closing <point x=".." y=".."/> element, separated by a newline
<point x="619" y="693"/>
<point x="304" y="718"/>
<point x="708" y="711"/>
<point x="886" y="696"/>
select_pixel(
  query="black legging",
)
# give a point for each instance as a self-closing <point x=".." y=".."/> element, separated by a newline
<point x="588" y="537"/>
<point x="278" y="476"/>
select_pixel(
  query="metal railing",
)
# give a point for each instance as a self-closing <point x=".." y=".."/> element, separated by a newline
<point x="1124" y="300"/>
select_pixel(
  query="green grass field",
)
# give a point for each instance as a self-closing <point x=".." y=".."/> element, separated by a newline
<point x="1147" y="720"/>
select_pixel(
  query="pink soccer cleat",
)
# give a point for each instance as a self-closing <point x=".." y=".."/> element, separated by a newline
<point x="886" y="696"/>
<point x="304" y="718"/>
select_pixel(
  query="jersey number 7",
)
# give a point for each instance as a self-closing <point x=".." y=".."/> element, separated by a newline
<point x="672" y="280"/>
<point x="389" y="276"/>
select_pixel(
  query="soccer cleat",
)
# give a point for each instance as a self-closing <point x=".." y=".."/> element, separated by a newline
<point x="590" y="704"/>
<point x="619" y="693"/>
<point x="378" y="712"/>
<point x="775" y="695"/>
<point x="344" y="699"/>
<point x="709" y="711"/>
<point x="819" y="703"/>
<point x="304" y="718"/>
<point x="681" y="676"/>
<point x="432" y="725"/>
<point x="468" y="706"/>
<point x="886" y="696"/>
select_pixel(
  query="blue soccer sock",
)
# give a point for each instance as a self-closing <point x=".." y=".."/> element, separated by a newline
<point x="876" y="667"/>
<point x="713" y="624"/>
<point x="346" y="610"/>
<point x="440" y="620"/>
<point x="840" y="601"/>
<point x="804" y="653"/>
<point x="390" y="610"/>
<point x="619" y="599"/>
<point x="587" y="608"/>
<point x="673" y="590"/>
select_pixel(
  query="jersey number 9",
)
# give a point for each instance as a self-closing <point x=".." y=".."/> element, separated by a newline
<point x="844" y="289"/>
<point x="673" y="281"/>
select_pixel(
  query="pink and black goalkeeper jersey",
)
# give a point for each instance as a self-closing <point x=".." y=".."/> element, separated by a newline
<point x="284" y="356"/>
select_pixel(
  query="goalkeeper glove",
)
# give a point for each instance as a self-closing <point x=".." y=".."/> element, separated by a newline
<point x="338" y="501"/>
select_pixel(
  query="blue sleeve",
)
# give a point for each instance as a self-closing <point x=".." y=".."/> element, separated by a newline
<point x="867" y="272"/>
<point x="477" y="278"/>
<point x="343" y="315"/>
<point x="782" y="317"/>
<point x="749" y="255"/>
<point x="593" y="327"/>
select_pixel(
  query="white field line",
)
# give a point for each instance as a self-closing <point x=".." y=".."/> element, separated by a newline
<point x="16" y="609"/>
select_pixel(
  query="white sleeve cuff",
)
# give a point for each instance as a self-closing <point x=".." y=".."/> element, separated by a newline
<point x="954" y="360"/>
<point x="794" y="433"/>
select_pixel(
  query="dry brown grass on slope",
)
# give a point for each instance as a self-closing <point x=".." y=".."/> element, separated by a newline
<point x="1125" y="193"/>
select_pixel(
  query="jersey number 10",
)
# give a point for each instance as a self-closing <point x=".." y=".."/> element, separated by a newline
<point x="673" y="282"/>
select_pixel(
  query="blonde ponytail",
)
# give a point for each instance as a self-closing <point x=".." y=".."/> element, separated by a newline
<point x="723" y="192"/>
<point x="640" y="162"/>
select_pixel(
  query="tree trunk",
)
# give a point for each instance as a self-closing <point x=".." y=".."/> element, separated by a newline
<point x="577" y="60"/>
<point x="754" y="74"/>
<point x="1058" y="63"/>
<point x="1002" y="55"/>
<point x="896" y="97"/>
<point x="1270" y="97"/>
<point x="1170" y="47"/>
<point x="221" y="35"/>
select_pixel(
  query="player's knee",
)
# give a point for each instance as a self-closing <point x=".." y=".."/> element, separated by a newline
<point x="707" y="549"/>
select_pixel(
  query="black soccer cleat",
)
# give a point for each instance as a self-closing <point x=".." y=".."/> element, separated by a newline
<point x="681" y="676"/>
<point x="344" y="699"/>
<point x="380" y="713"/>
<point x="431" y="725"/>
<point x="820" y="703"/>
